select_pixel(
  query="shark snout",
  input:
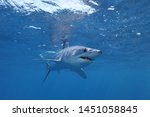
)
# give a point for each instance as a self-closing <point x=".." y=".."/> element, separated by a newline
<point x="94" y="53"/>
<point x="99" y="51"/>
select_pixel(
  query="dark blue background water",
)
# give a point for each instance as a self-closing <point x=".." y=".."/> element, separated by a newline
<point x="122" y="72"/>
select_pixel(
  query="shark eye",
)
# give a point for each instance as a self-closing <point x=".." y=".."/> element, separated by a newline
<point x="85" y="50"/>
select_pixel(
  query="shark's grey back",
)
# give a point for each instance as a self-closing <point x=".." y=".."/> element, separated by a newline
<point x="69" y="51"/>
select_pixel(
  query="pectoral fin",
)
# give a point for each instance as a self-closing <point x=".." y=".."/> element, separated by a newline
<point x="80" y="71"/>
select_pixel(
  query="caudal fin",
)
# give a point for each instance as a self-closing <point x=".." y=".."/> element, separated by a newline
<point x="47" y="72"/>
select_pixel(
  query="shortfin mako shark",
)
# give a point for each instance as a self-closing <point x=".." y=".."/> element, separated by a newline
<point x="74" y="58"/>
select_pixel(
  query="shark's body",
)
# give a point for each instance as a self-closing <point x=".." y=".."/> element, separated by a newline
<point x="74" y="58"/>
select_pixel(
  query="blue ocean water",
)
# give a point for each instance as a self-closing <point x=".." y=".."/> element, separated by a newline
<point x="120" y="28"/>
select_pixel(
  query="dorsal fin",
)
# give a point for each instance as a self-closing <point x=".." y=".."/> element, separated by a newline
<point x="65" y="43"/>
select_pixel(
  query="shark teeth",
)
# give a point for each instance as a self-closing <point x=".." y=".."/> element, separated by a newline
<point x="86" y="58"/>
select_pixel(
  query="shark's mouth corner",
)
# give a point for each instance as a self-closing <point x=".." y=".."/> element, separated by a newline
<point x="86" y="58"/>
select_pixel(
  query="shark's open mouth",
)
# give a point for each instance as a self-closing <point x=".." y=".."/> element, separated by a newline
<point x="86" y="58"/>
